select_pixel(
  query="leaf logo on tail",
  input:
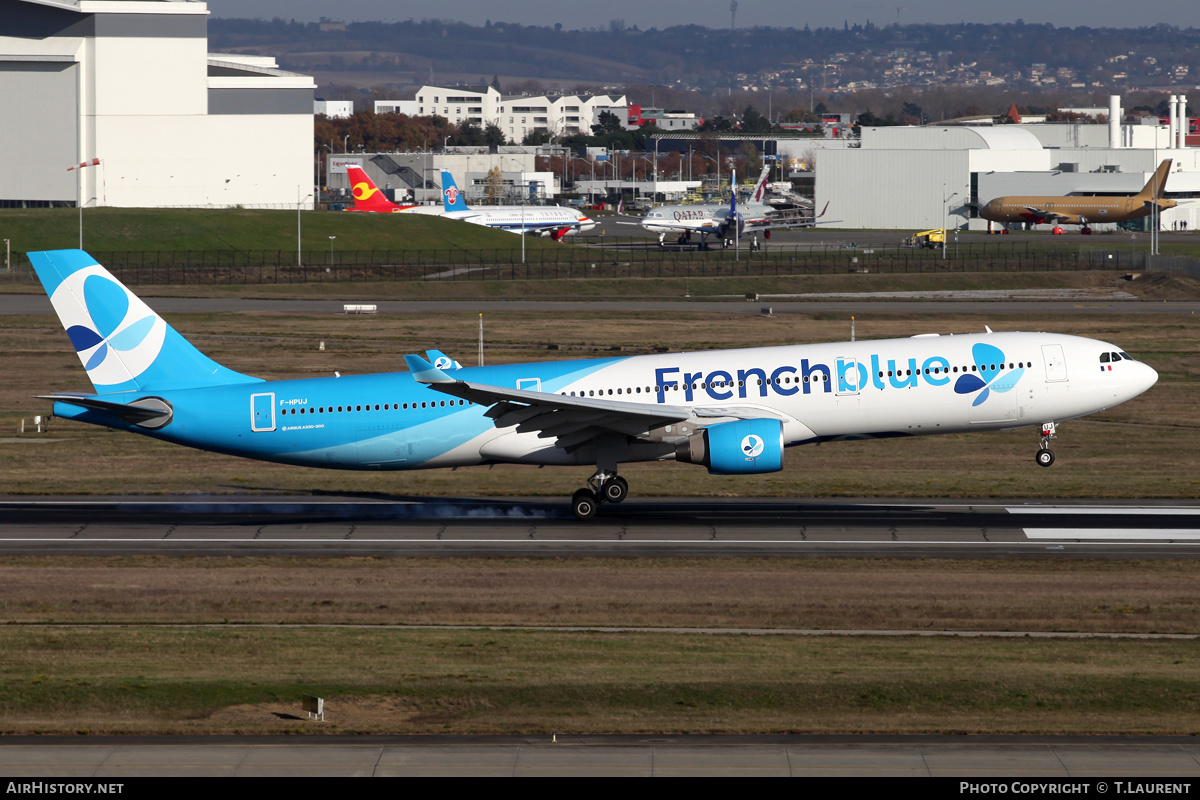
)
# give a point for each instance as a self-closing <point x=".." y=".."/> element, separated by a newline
<point x="451" y="195"/>
<point x="116" y="335"/>
<point x="991" y="376"/>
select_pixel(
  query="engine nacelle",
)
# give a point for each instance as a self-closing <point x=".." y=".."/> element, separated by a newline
<point x="744" y="447"/>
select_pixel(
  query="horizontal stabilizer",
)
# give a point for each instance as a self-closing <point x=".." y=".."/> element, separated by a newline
<point x="147" y="412"/>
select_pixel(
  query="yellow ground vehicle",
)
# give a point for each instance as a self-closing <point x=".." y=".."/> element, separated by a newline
<point x="927" y="239"/>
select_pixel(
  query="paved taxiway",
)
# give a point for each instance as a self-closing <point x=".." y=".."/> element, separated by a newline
<point x="990" y="758"/>
<point x="345" y="526"/>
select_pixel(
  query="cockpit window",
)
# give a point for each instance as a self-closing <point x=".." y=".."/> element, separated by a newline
<point x="1104" y="357"/>
<point x="1126" y="356"/>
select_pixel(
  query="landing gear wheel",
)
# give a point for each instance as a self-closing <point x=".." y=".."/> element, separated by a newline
<point x="584" y="504"/>
<point x="615" y="490"/>
<point x="1044" y="457"/>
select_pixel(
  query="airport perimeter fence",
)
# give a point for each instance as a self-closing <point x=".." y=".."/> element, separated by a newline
<point x="589" y="258"/>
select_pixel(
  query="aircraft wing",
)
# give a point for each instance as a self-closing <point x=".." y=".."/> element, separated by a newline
<point x="783" y="220"/>
<point x="1044" y="215"/>
<point x="573" y="421"/>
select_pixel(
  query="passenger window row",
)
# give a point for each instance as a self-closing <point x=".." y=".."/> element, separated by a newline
<point x="667" y="387"/>
<point x="368" y="407"/>
<point x="973" y="368"/>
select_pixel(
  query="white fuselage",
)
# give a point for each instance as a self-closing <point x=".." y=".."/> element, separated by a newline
<point x="514" y="218"/>
<point x="851" y="390"/>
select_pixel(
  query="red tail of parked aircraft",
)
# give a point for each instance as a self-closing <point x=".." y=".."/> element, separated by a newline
<point x="368" y="196"/>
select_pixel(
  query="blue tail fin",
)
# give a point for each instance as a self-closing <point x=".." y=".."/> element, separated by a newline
<point x="123" y="344"/>
<point x="452" y="198"/>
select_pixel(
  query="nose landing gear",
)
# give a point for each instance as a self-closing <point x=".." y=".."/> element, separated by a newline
<point x="603" y="487"/>
<point x="1045" y="457"/>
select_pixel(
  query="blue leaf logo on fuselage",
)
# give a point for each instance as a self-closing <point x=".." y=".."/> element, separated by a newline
<point x="991" y="374"/>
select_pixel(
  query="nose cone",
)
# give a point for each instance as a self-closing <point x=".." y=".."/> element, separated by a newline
<point x="1145" y="377"/>
<point x="1136" y="378"/>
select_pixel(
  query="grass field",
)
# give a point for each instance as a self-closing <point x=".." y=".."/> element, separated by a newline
<point x="128" y="672"/>
<point x="121" y="229"/>
<point x="106" y="229"/>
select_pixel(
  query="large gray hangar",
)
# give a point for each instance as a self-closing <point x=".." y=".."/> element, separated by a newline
<point x="917" y="178"/>
<point x="131" y="83"/>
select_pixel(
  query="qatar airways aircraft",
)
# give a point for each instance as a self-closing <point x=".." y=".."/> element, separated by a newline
<point x="726" y="222"/>
<point x="732" y="411"/>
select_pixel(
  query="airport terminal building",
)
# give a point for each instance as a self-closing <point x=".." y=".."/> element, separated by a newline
<point x="131" y="83"/>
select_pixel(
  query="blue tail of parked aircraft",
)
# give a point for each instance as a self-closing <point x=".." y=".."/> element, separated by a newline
<point x="452" y="198"/>
<point x="123" y="344"/>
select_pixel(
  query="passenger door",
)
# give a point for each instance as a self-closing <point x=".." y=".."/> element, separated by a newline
<point x="262" y="412"/>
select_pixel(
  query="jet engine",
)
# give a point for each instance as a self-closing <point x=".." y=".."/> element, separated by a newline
<point x="744" y="447"/>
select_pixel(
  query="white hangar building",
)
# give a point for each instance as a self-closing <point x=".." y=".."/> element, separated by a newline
<point x="918" y="178"/>
<point x="131" y="82"/>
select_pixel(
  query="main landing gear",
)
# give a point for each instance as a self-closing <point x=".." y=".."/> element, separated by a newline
<point x="603" y="487"/>
<point x="1045" y="457"/>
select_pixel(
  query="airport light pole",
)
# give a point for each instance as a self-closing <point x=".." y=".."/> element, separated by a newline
<point x="1155" y="211"/>
<point x="524" y="202"/>
<point x="945" y="213"/>
<point x="7" y="255"/>
<point x="299" y="202"/>
<point x="331" y="238"/>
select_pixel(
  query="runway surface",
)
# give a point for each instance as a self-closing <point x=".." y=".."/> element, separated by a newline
<point x="486" y="527"/>
<point x="1077" y="760"/>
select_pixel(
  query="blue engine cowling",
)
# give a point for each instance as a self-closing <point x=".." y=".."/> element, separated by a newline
<point x="745" y="447"/>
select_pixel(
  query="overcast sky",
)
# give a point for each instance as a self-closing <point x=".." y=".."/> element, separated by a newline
<point x="715" y="13"/>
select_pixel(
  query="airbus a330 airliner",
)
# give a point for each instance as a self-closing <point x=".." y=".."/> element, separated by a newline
<point x="732" y="411"/>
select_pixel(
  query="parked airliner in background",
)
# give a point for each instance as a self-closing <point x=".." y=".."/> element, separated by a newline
<point x="553" y="221"/>
<point x="368" y="197"/>
<point x="732" y="411"/>
<point x="1083" y="210"/>
<point x="725" y="222"/>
